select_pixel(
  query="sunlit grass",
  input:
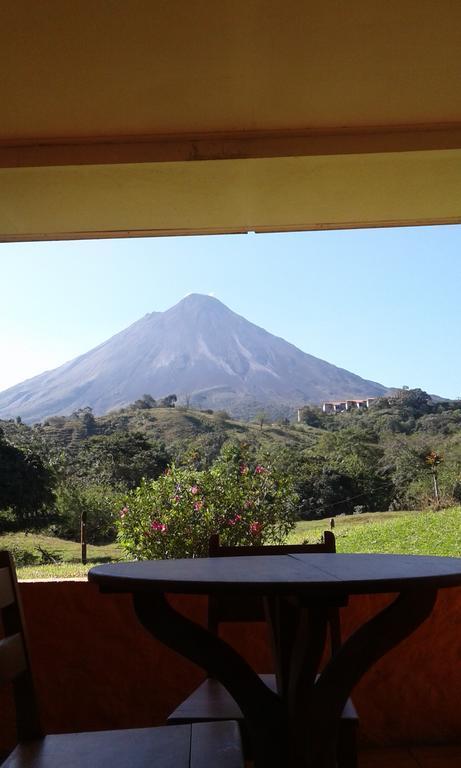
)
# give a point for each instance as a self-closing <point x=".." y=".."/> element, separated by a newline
<point x="417" y="533"/>
<point x="412" y="533"/>
<point x="69" y="551"/>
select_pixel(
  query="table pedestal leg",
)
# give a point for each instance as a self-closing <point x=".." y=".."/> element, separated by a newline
<point x="316" y="709"/>
<point x="262" y="709"/>
<point x="299" y="728"/>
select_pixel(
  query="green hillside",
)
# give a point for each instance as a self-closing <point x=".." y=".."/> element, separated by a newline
<point x="176" y="427"/>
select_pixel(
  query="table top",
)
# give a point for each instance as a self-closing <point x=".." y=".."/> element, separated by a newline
<point x="281" y="574"/>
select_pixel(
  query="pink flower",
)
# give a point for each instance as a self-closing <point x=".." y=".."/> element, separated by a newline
<point x="255" y="528"/>
<point x="194" y="489"/>
<point x="157" y="526"/>
<point x="198" y="506"/>
<point x="123" y="512"/>
<point x="259" y="469"/>
<point x="243" y="469"/>
<point x="234" y="520"/>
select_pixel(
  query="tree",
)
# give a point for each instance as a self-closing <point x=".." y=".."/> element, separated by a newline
<point x="122" y="458"/>
<point x="81" y="412"/>
<point x="433" y="460"/>
<point x="168" y="401"/>
<point x="97" y="503"/>
<point x="89" y="423"/>
<point x="26" y="484"/>
<point x="414" y="401"/>
<point x="311" y="416"/>
<point x="261" y="418"/>
<point x="353" y="452"/>
<point x="328" y="493"/>
<point x="84" y="416"/>
<point x="144" y="402"/>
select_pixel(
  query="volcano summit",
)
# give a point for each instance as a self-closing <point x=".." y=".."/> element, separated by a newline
<point x="201" y="351"/>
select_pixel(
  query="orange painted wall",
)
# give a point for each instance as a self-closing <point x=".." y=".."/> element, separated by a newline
<point x="98" y="668"/>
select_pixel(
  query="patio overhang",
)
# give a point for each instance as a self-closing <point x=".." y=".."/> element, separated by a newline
<point x="175" y="118"/>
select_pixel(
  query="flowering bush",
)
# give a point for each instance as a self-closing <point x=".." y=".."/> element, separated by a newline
<point x="174" y="516"/>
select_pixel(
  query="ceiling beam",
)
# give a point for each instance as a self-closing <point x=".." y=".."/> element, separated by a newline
<point x="238" y="195"/>
<point x="220" y="146"/>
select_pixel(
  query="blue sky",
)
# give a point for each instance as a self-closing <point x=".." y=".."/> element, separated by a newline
<point x="384" y="304"/>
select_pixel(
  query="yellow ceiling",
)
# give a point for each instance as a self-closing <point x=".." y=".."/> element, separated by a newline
<point x="88" y="68"/>
<point x="227" y="116"/>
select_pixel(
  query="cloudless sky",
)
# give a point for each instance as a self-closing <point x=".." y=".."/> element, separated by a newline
<point x="384" y="304"/>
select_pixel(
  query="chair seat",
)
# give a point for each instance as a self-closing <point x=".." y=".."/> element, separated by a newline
<point x="211" y="701"/>
<point x="201" y="745"/>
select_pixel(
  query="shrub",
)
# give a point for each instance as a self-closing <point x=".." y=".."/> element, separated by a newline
<point x="26" y="483"/>
<point x="100" y="504"/>
<point x="174" y="516"/>
<point x="23" y="557"/>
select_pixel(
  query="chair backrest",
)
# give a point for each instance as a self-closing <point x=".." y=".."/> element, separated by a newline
<point x="14" y="654"/>
<point x="251" y="608"/>
<point x="216" y="549"/>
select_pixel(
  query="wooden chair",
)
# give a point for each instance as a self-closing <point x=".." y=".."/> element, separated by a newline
<point x="211" y="702"/>
<point x="199" y="745"/>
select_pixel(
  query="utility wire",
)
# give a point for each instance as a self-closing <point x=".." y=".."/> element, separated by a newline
<point x="352" y="498"/>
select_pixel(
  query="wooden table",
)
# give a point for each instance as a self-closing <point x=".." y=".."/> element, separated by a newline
<point x="298" y="726"/>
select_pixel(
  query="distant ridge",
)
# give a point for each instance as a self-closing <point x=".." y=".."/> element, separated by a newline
<point x="201" y="351"/>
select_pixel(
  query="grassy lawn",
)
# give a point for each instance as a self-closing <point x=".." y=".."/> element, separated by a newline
<point x="413" y="533"/>
<point x="68" y="551"/>
<point x="416" y="533"/>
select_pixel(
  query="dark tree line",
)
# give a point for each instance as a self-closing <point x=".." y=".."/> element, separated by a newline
<point x="26" y="483"/>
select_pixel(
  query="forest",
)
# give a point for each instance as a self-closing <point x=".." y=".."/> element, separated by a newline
<point x="402" y="453"/>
